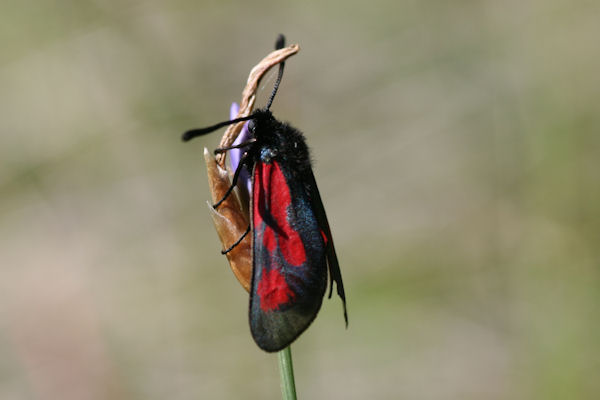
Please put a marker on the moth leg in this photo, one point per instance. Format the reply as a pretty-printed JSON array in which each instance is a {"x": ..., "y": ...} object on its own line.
[
  {"x": 237, "y": 146},
  {"x": 236, "y": 242},
  {"x": 236, "y": 175}
]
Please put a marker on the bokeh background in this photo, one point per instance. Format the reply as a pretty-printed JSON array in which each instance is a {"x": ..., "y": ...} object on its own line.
[{"x": 456, "y": 146}]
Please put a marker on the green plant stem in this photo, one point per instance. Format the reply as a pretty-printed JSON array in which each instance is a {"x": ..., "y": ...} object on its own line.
[{"x": 286, "y": 374}]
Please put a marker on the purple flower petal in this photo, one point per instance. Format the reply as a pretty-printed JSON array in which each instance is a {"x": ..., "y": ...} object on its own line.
[{"x": 235, "y": 155}]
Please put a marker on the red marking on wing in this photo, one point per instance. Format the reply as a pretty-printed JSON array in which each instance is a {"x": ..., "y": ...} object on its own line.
[
  {"x": 273, "y": 290},
  {"x": 324, "y": 237},
  {"x": 272, "y": 194}
]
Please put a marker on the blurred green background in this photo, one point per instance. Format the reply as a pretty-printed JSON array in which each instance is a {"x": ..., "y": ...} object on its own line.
[{"x": 456, "y": 146}]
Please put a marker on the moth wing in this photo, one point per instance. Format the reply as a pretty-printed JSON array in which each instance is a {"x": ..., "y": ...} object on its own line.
[
  {"x": 335, "y": 274},
  {"x": 289, "y": 258}
]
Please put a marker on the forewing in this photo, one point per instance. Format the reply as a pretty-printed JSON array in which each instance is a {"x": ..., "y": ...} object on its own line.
[{"x": 289, "y": 251}]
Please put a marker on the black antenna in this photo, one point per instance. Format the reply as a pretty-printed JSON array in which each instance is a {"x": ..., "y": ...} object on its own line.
[
  {"x": 189, "y": 135},
  {"x": 279, "y": 44}
]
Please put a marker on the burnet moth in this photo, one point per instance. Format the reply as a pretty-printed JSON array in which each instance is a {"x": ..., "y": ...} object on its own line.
[{"x": 292, "y": 247}]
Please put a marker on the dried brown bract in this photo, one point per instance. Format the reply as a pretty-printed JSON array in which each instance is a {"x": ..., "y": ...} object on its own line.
[{"x": 231, "y": 218}]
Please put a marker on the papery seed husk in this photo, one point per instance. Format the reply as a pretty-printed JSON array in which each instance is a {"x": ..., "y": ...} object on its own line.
[{"x": 230, "y": 221}]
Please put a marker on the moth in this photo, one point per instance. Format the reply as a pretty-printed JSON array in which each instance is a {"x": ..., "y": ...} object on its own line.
[{"x": 292, "y": 246}]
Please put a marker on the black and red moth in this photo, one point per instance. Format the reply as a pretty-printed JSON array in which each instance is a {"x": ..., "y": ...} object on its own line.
[{"x": 292, "y": 247}]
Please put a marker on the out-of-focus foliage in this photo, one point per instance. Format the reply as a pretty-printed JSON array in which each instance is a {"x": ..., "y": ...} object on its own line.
[{"x": 457, "y": 150}]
